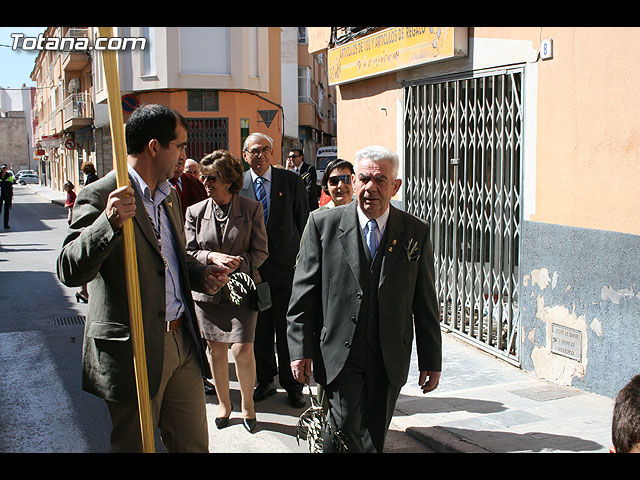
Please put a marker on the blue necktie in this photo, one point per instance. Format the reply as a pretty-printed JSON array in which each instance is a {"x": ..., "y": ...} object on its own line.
[
  {"x": 261, "y": 194},
  {"x": 372, "y": 237}
]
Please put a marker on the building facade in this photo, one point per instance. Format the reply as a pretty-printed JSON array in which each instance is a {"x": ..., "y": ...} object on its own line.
[
  {"x": 226, "y": 81},
  {"x": 63, "y": 109},
  {"x": 519, "y": 146},
  {"x": 16, "y": 130}
]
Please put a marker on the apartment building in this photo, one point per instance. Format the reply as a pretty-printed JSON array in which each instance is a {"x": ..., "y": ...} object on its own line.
[
  {"x": 63, "y": 109},
  {"x": 226, "y": 81},
  {"x": 520, "y": 147}
]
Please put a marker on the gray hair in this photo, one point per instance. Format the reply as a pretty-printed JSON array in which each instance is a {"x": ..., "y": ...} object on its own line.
[
  {"x": 376, "y": 153},
  {"x": 256, "y": 136}
]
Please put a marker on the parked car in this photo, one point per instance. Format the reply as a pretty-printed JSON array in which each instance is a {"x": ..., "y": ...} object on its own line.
[
  {"x": 28, "y": 178},
  {"x": 22, "y": 172}
]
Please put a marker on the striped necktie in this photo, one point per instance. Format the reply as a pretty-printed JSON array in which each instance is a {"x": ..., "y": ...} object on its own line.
[
  {"x": 261, "y": 194},
  {"x": 371, "y": 237}
]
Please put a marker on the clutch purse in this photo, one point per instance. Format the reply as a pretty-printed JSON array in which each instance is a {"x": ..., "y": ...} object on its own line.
[{"x": 263, "y": 296}]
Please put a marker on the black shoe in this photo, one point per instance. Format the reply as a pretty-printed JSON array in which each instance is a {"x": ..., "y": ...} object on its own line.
[
  {"x": 249, "y": 424},
  {"x": 222, "y": 422},
  {"x": 264, "y": 390},
  {"x": 81, "y": 298},
  {"x": 7, "y": 227},
  {"x": 296, "y": 399}
]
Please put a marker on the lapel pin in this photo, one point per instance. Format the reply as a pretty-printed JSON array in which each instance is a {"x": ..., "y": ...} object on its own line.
[
  {"x": 280, "y": 193},
  {"x": 170, "y": 204}
]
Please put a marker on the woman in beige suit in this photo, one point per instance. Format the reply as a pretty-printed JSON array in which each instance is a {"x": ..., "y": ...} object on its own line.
[{"x": 228, "y": 230}]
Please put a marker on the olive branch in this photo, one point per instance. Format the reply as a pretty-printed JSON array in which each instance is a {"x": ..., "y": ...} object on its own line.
[
  {"x": 412, "y": 249},
  {"x": 311, "y": 424},
  {"x": 240, "y": 284}
]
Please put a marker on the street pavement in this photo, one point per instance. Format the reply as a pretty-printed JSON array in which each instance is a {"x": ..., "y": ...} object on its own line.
[{"x": 483, "y": 404}]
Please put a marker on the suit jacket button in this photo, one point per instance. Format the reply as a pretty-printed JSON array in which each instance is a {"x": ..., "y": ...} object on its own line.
[
  {"x": 354, "y": 319},
  {"x": 347, "y": 344},
  {"x": 359, "y": 294}
]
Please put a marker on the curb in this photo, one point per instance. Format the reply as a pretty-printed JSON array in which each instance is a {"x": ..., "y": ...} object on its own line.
[{"x": 443, "y": 441}]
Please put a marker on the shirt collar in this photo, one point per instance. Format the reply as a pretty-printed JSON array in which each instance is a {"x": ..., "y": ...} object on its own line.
[
  {"x": 266, "y": 176},
  {"x": 381, "y": 220},
  {"x": 163, "y": 189}
]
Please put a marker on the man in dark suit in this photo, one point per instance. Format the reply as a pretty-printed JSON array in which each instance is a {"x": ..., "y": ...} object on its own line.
[
  {"x": 296, "y": 163},
  {"x": 353, "y": 309},
  {"x": 286, "y": 210},
  {"x": 93, "y": 253}
]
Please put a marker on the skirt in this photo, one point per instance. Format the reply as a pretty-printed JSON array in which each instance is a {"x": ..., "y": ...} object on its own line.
[{"x": 224, "y": 322}]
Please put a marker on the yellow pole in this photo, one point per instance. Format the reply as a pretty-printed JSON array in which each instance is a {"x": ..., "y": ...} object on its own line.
[{"x": 130, "y": 259}]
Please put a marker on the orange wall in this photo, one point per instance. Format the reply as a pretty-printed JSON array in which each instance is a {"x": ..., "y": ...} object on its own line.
[
  {"x": 362, "y": 120},
  {"x": 233, "y": 106},
  {"x": 588, "y": 141}
]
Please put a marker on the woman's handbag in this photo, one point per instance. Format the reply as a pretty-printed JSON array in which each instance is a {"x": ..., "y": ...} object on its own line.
[{"x": 263, "y": 296}]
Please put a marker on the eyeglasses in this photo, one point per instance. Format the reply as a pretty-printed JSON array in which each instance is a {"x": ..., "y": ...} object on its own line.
[
  {"x": 293, "y": 156},
  {"x": 181, "y": 146},
  {"x": 335, "y": 179},
  {"x": 257, "y": 151},
  {"x": 208, "y": 178}
]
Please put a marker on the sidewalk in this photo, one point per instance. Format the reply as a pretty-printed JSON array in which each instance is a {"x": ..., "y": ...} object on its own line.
[
  {"x": 47, "y": 193},
  {"x": 485, "y": 405}
]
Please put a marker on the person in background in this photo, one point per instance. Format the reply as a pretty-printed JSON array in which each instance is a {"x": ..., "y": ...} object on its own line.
[
  {"x": 190, "y": 189},
  {"x": 228, "y": 230},
  {"x": 70, "y": 200},
  {"x": 90, "y": 176},
  {"x": 337, "y": 182},
  {"x": 89, "y": 171},
  {"x": 192, "y": 167},
  {"x": 625, "y": 425},
  {"x": 363, "y": 283},
  {"x": 6, "y": 192},
  {"x": 286, "y": 208},
  {"x": 307, "y": 173}
]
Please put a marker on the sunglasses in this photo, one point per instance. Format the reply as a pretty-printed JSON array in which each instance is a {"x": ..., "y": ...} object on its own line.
[
  {"x": 208, "y": 178},
  {"x": 335, "y": 179}
]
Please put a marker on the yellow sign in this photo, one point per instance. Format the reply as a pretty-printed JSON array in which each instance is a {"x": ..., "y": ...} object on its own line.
[{"x": 391, "y": 49}]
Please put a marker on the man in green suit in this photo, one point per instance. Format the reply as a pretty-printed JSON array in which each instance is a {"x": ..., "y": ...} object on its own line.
[
  {"x": 360, "y": 289},
  {"x": 93, "y": 253}
]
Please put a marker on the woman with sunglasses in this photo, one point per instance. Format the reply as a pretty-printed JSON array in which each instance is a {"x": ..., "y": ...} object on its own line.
[
  {"x": 336, "y": 182},
  {"x": 228, "y": 229}
]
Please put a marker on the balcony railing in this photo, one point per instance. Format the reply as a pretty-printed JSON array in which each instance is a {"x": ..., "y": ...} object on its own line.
[{"x": 77, "y": 106}]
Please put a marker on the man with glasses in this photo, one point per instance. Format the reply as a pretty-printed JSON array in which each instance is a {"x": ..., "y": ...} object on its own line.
[
  {"x": 286, "y": 209},
  {"x": 296, "y": 163},
  {"x": 93, "y": 253},
  {"x": 364, "y": 282}
]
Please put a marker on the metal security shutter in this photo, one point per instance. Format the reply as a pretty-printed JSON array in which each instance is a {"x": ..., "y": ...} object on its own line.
[
  {"x": 206, "y": 135},
  {"x": 463, "y": 150}
]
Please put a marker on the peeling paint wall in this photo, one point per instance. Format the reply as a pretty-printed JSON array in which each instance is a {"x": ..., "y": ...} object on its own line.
[{"x": 580, "y": 306}]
